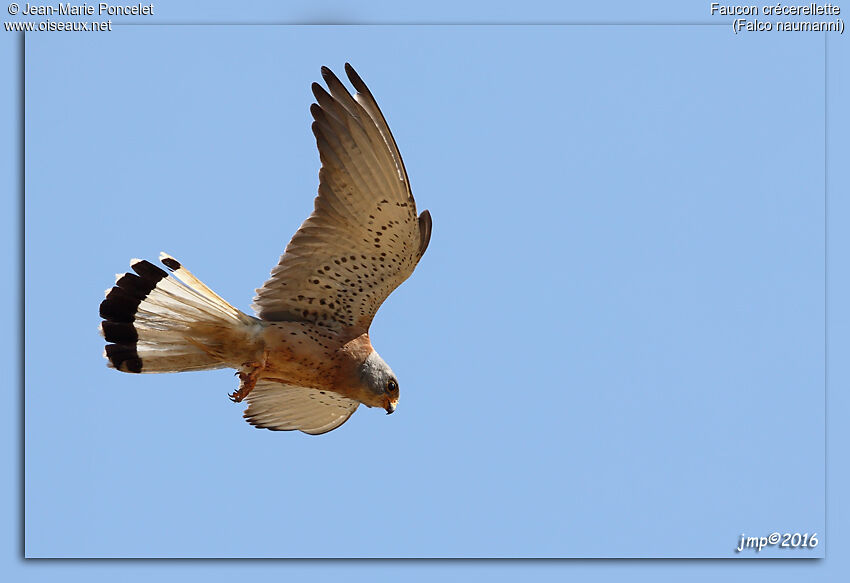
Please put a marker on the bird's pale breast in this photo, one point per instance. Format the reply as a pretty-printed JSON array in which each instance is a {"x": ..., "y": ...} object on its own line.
[{"x": 307, "y": 355}]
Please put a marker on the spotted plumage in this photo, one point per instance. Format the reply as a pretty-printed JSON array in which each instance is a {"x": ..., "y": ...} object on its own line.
[{"x": 306, "y": 361}]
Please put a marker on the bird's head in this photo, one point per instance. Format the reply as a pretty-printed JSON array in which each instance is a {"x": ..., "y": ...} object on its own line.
[{"x": 379, "y": 386}]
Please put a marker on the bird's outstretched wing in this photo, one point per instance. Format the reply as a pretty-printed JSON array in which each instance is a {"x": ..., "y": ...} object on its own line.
[
  {"x": 364, "y": 237},
  {"x": 282, "y": 407}
]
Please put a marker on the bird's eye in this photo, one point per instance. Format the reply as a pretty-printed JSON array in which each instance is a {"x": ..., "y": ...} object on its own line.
[{"x": 392, "y": 386}]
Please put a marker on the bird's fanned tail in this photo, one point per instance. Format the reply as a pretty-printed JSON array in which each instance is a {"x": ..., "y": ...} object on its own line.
[{"x": 157, "y": 323}]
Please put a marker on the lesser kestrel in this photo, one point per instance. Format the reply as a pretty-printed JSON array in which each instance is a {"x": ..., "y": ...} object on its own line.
[{"x": 305, "y": 362}]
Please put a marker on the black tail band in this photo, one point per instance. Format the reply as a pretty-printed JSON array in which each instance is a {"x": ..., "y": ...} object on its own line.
[{"x": 119, "y": 312}]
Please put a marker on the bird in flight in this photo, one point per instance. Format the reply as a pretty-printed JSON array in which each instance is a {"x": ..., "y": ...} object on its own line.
[{"x": 305, "y": 361}]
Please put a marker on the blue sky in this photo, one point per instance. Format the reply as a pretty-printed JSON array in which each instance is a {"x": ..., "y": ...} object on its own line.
[{"x": 614, "y": 346}]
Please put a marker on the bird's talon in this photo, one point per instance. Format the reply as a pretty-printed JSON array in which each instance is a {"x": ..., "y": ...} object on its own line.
[{"x": 247, "y": 381}]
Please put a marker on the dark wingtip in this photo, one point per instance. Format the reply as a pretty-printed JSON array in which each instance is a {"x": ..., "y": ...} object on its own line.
[
  {"x": 424, "y": 231},
  {"x": 355, "y": 79},
  {"x": 335, "y": 86}
]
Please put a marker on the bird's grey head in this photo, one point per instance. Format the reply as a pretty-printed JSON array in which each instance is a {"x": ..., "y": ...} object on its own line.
[{"x": 380, "y": 382}]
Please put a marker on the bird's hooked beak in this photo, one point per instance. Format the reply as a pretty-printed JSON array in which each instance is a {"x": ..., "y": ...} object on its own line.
[{"x": 390, "y": 408}]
